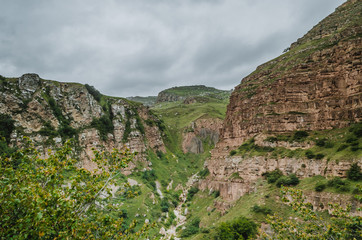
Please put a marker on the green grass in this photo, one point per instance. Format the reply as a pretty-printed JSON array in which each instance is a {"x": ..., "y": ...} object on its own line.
[
  {"x": 197, "y": 90},
  {"x": 178, "y": 116},
  {"x": 334, "y": 145},
  {"x": 265, "y": 196}
]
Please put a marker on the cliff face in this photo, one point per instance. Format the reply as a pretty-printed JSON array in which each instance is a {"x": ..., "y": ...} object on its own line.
[
  {"x": 203, "y": 130},
  {"x": 50, "y": 112},
  {"x": 314, "y": 86}
]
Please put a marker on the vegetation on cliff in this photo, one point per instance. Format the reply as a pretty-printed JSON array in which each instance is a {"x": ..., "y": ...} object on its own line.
[{"x": 53, "y": 198}]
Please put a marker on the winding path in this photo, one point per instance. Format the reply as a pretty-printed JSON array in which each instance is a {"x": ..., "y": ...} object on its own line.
[{"x": 180, "y": 215}]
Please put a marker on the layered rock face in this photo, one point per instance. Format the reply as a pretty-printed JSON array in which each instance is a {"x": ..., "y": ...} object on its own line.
[
  {"x": 235, "y": 176},
  {"x": 203, "y": 130},
  {"x": 314, "y": 86},
  {"x": 47, "y": 111}
]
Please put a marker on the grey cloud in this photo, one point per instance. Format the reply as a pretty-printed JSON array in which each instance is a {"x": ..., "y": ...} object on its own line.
[{"x": 140, "y": 47}]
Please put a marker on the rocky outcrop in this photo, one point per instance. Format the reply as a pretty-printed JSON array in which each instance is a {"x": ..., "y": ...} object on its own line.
[
  {"x": 49, "y": 112},
  {"x": 314, "y": 86},
  {"x": 168, "y": 97},
  {"x": 203, "y": 130},
  {"x": 236, "y": 175}
]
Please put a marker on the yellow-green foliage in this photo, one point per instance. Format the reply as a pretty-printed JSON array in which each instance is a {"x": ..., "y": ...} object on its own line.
[{"x": 38, "y": 199}]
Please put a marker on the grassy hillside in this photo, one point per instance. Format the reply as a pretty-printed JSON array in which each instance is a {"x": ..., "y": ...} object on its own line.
[
  {"x": 197, "y": 90},
  {"x": 147, "y": 101}
]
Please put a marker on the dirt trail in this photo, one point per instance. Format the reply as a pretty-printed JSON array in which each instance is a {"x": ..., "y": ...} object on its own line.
[{"x": 180, "y": 215}]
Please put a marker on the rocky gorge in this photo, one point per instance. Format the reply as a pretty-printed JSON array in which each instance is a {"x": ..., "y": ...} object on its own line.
[
  {"x": 315, "y": 86},
  {"x": 49, "y": 112}
]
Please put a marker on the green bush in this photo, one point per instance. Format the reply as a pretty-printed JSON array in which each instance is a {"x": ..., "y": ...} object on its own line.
[
  {"x": 233, "y": 152},
  {"x": 149, "y": 175},
  {"x": 164, "y": 205},
  {"x": 204, "y": 173},
  {"x": 338, "y": 184},
  {"x": 320, "y": 142},
  {"x": 241, "y": 228},
  {"x": 191, "y": 228},
  {"x": 48, "y": 130},
  {"x": 94, "y": 92},
  {"x": 290, "y": 180},
  {"x": 190, "y": 194},
  {"x": 6, "y": 126},
  {"x": 261, "y": 209},
  {"x": 342, "y": 147},
  {"x": 104, "y": 125},
  {"x": 354, "y": 173},
  {"x": 273, "y": 176},
  {"x": 309, "y": 154},
  {"x": 319, "y": 187},
  {"x": 67, "y": 131},
  {"x": 300, "y": 135},
  {"x": 357, "y": 130},
  {"x": 319, "y": 156}
]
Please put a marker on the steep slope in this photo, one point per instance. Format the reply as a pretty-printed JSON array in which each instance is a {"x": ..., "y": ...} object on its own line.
[
  {"x": 50, "y": 112},
  {"x": 184, "y": 92},
  {"x": 147, "y": 101},
  {"x": 193, "y": 114},
  {"x": 315, "y": 86}
]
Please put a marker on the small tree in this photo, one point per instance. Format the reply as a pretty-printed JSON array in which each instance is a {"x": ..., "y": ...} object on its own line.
[
  {"x": 311, "y": 225},
  {"x": 354, "y": 173},
  {"x": 38, "y": 200}
]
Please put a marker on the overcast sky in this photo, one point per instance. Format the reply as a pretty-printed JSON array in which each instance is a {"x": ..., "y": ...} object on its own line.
[{"x": 140, "y": 47}]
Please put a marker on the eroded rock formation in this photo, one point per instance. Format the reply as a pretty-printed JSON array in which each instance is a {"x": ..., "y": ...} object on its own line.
[
  {"x": 43, "y": 109},
  {"x": 314, "y": 86}
]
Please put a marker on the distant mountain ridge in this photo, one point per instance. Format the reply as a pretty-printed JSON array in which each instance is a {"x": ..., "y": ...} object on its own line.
[{"x": 183, "y": 92}]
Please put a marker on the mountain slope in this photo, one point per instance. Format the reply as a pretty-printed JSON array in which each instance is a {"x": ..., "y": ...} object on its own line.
[{"x": 313, "y": 88}]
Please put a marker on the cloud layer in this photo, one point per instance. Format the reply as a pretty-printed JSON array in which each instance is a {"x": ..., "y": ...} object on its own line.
[{"x": 140, "y": 47}]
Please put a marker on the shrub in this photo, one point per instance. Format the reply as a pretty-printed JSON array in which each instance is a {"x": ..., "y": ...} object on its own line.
[
  {"x": 319, "y": 156},
  {"x": 191, "y": 228},
  {"x": 354, "y": 173},
  {"x": 215, "y": 194},
  {"x": 232, "y": 152},
  {"x": 140, "y": 126},
  {"x": 241, "y": 228},
  {"x": 164, "y": 205},
  {"x": 355, "y": 148},
  {"x": 261, "y": 209},
  {"x": 273, "y": 176},
  {"x": 357, "y": 130},
  {"x": 48, "y": 130},
  {"x": 351, "y": 139},
  {"x": 336, "y": 181},
  {"x": 6, "y": 126},
  {"x": 290, "y": 180},
  {"x": 320, "y": 142},
  {"x": 204, "y": 172},
  {"x": 94, "y": 92},
  {"x": 309, "y": 154},
  {"x": 342, "y": 147},
  {"x": 324, "y": 143},
  {"x": 300, "y": 135},
  {"x": 319, "y": 187},
  {"x": 338, "y": 184},
  {"x": 190, "y": 194},
  {"x": 104, "y": 125},
  {"x": 149, "y": 175}
]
